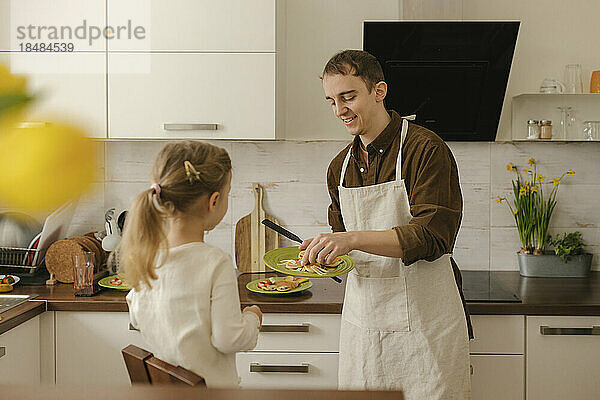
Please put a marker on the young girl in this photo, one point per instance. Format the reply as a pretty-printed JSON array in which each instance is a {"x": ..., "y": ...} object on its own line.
[{"x": 185, "y": 297}]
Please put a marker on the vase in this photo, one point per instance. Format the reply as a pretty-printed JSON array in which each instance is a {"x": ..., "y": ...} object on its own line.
[{"x": 551, "y": 266}]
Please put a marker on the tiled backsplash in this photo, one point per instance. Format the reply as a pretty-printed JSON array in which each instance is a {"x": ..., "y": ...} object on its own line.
[{"x": 293, "y": 177}]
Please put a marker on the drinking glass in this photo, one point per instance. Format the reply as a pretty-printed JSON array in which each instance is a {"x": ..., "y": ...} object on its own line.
[
  {"x": 83, "y": 270},
  {"x": 567, "y": 121},
  {"x": 591, "y": 130},
  {"x": 573, "y": 81}
]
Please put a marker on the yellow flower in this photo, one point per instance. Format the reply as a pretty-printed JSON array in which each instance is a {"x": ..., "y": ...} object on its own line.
[
  {"x": 10, "y": 83},
  {"x": 541, "y": 178},
  {"x": 526, "y": 184},
  {"x": 13, "y": 97},
  {"x": 526, "y": 170},
  {"x": 570, "y": 172},
  {"x": 555, "y": 181},
  {"x": 531, "y": 161},
  {"x": 516, "y": 212},
  {"x": 534, "y": 188},
  {"x": 523, "y": 191},
  {"x": 509, "y": 167},
  {"x": 499, "y": 199}
]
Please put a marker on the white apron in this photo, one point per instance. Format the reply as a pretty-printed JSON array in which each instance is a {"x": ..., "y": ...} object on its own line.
[{"x": 403, "y": 328}]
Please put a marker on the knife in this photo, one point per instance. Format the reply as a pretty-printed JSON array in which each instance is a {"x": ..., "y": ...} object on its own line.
[{"x": 282, "y": 231}]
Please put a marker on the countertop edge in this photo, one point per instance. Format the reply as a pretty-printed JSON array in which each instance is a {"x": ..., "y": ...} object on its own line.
[{"x": 22, "y": 313}]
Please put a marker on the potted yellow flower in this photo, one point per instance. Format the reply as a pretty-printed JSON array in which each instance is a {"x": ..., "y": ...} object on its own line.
[{"x": 532, "y": 212}]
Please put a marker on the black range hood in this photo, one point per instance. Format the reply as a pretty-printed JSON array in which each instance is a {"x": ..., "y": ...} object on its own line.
[{"x": 452, "y": 75}]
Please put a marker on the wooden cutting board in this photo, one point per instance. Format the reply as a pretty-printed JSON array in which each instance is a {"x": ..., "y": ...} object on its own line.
[{"x": 252, "y": 239}]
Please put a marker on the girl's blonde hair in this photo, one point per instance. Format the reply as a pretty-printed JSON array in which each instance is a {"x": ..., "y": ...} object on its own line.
[{"x": 181, "y": 184}]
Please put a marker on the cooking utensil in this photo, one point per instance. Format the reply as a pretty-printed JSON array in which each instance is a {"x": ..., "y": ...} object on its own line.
[
  {"x": 289, "y": 235},
  {"x": 251, "y": 238}
]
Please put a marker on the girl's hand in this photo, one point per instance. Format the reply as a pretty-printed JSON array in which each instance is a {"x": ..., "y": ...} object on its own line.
[
  {"x": 254, "y": 309},
  {"x": 325, "y": 247}
]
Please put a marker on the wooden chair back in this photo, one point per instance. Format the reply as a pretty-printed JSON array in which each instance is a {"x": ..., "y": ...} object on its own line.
[{"x": 144, "y": 368}]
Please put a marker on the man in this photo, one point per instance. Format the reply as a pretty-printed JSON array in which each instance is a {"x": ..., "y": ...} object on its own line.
[{"x": 396, "y": 204}]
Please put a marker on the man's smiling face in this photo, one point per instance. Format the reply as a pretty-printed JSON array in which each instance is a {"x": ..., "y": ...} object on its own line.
[{"x": 351, "y": 102}]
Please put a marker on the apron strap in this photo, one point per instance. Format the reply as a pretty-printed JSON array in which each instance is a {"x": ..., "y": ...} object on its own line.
[
  {"x": 402, "y": 137},
  {"x": 345, "y": 166}
]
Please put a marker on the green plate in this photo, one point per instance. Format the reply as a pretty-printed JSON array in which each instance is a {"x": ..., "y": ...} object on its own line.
[
  {"x": 273, "y": 257},
  {"x": 253, "y": 286},
  {"x": 105, "y": 282}
]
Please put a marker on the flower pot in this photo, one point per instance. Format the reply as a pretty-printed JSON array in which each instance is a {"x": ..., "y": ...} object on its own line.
[{"x": 551, "y": 266}]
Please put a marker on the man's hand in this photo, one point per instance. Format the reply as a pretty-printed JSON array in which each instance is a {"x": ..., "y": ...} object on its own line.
[{"x": 325, "y": 247}]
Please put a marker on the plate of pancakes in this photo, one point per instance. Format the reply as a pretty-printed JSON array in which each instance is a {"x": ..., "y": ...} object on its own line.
[
  {"x": 279, "y": 285},
  {"x": 287, "y": 261}
]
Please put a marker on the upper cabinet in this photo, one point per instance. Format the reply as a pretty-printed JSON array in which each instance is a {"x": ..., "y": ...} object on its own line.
[
  {"x": 77, "y": 23},
  {"x": 67, "y": 87},
  {"x": 193, "y": 25},
  {"x": 192, "y": 95},
  {"x": 227, "y": 69}
]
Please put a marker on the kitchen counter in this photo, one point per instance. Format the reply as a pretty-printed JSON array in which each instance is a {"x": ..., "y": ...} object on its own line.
[{"x": 540, "y": 296}]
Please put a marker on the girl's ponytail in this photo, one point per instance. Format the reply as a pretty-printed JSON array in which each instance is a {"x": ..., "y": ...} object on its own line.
[{"x": 143, "y": 237}]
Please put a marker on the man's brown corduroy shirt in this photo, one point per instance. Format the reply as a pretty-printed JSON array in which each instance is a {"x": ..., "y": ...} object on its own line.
[{"x": 431, "y": 178}]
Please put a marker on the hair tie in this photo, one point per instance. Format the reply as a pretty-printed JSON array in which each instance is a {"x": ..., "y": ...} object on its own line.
[
  {"x": 189, "y": 170},
  {"x": 156, "y": 188}
]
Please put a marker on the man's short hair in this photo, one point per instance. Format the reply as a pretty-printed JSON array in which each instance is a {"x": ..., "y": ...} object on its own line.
[{"x": 358, "y": 63}]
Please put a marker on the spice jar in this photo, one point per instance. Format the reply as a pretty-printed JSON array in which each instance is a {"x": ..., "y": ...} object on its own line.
[
  {"x": 533, "y": 129},
  {"x": 545, "y": 129}
]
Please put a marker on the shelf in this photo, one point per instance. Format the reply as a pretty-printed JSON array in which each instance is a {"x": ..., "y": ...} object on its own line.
[
  {"x": 540, "y": 106},
  {"x": 555, "y": 95}
]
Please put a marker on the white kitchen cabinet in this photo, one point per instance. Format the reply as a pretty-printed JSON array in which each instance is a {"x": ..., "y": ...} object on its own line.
[
  {"x": 195, "y": 25},
  {"x": 498, "y": 334},
  {"x": 299, "y": 333},
  {"x": 16, "y": 17},
  {"x": 495, "y": 377},
  {"x": 192, "y": 95},
  {"x": 293, "y": 351},
  {"x": 288, "y": 370},
  {"x": 563, "y": 358},
  {"x": 497, "y": 357},
  {"x": 68, "y": 87},
  {"x": 88, "y": 347},
  {"x": 20, "y": 354}
]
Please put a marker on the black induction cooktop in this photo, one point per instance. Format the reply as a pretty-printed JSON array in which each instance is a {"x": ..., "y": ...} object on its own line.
[{"x": 482, "y": 287}]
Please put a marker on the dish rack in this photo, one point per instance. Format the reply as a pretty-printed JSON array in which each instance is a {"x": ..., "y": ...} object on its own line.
[{"x": 19, "y": 259}]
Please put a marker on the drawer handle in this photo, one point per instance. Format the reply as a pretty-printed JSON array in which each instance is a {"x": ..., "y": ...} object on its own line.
[
  {"x": 190, "y": 127},
  {"x": 549, "y": 331},
  {"x": 302, "y": 368},
  {"x": 471, "y": 369},
  {"x": 133, "y": 328},
  {"x": 2, "y": 351},
  {"x": 285, "y": 328}
]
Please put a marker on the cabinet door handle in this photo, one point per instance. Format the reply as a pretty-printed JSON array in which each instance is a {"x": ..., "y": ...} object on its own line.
[
  {"x": 285, "y": 328},
  {"x": 133, "y": 328},
  {"x": 549, "y": 331},
  {"x": 302, "y": 368},
  {"x": 2, "y": 351},
  {"x": 471, "y": 369},
  {"x": 190, "y": 127}
]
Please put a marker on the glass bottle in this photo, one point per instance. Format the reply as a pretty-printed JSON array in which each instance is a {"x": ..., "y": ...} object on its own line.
[
  {"x": 545, "y": 129},
  {"x": 533, "y": 129}
]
